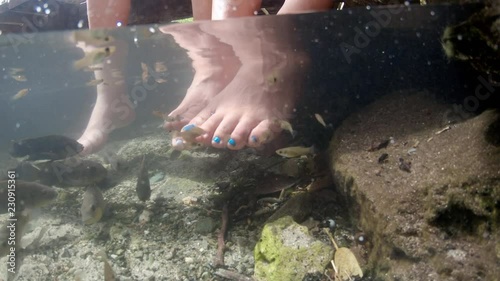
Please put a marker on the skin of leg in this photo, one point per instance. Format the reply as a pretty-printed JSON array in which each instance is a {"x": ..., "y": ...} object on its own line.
[
  {"x": 202, "y": 9},
  {"x": 112, "y": 108},
  {"x": 106, "y": 13},
  {"x": 223, "y": 9},
  {"x": 302, "y": 6}
]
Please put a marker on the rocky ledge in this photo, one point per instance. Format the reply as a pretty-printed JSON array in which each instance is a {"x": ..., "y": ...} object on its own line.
[{"x": 424, "y": 188}]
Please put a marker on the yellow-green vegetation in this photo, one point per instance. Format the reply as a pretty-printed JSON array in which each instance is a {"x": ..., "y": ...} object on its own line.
[
  {"x": 183, "y": 20},
  {"x": 286, "y": 251}
]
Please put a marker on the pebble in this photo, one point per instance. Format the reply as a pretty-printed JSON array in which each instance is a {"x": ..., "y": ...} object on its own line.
[
  {"x": 204, "y": 225},
  {"x": 188, "y": 260}
]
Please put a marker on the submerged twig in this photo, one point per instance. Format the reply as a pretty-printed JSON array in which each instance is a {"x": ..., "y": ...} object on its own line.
[
  {"x": 219, "y": 258},
  {"x": 231, "y": 275},
  {"x": 331, "y": 238}
]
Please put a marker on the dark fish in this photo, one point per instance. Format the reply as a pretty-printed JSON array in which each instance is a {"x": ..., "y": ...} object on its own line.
[
  {"x": 380, "y": 145},
  {"x": 26, "y": 195},
  {"x": 143, "y": 188},
  {"x": 51, "y": 147},
  {"x": 404, "y": 165},
  {"x": 383, "y": 158},
  {"x": 274, "y": 183},
  {"x": 68, "y": 172}
]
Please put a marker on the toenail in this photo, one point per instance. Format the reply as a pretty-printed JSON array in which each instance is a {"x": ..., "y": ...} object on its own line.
[
  {"x": 188, "y": 127},
  {"x": 254, "y": 138},
  {"x": 231, "y": 142},
  {"x": 216, "y": 139}
]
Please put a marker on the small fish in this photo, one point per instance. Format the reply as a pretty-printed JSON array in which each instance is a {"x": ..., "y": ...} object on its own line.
[
  {"x": 190, "y": 132},
  {"x": 295, "y": 151},
  {"x": 96, "y": 38},
  {"x": 91, "y": 68},
  {"x": 94, "y": 57},
  {"x": 404, "y": 165},
  {"x": 320, "y": 119},
  {"x": 383, "y": 158},
  {"x": 20, "y": 94},
  {"x": 27, "y": 194},
  {"x": 143, "y": 187},
  {"x": 285, "y": 125},
  {"x": 160, "y": 66},
  {"x": 94, "y": 82},
  {"x": 380, "y": 145},
  {"x": 19, "y": 78},
  {"x": 52, "y": 147},
  {"x": 145, "y": 72},
  {"x": 160, "y": 80},
  {"x": 6, "y": 245},
  {"x": 92, "y": 205},
  {"x": 14, "y": 70}
]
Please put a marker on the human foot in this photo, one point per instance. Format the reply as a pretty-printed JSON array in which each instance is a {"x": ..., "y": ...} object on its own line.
[
  {"x": 112, "y": 110},
  {"x": 214, "y": 64},
  {"x": 250, "y": 110}
]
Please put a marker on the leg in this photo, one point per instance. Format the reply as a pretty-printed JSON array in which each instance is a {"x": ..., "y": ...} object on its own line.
[
  {"x": 202, "y": 9},
  {"x": 112, "y": 108},
  {"x": 301, "y": 6},
  {"x": 223, "y": 9}
]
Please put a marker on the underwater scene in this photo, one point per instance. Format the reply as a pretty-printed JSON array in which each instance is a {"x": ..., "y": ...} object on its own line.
[{"x": 249, "y": 140}]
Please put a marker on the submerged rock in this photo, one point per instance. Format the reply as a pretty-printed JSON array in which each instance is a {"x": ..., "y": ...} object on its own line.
[
  {"x": 438, "y": 222},
  {"x": 286, "y": 251}
]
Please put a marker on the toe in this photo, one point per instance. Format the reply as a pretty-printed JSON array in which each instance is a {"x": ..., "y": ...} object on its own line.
[
  {"x": 241, "y": 133},
  {"x": 261, "y": 134},
  {"x": 222, "y": 135},
  {"x": 210, "y": 125}
]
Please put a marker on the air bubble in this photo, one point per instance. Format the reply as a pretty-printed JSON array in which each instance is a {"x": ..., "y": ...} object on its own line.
[
  {"x": 368, "y": 7},
  {"x": 152, "y": 30},
  {"x": 118, "y": 23},
  {"x": 459, "y": 37},
  {"x": 47, "y": 11},
  {"x": 433, "y": 13},
  {"x": 18, "y": 125},
  {"x": 38, "y": 9},
  {"x": 80, "y": 24}
]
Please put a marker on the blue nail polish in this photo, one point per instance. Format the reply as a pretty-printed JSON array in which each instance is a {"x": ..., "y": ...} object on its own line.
[
  {"x": 254, "y": 138},
  {"x": 216, "y": 139},
  {"x": 188, "y": 127},
  {"x": 231, "y": 142}
]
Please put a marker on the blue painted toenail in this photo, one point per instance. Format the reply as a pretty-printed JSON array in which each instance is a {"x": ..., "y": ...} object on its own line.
[
  {"x": 188, "y": 127},
  {"x": 254, "y": 138},
  {"x": 231, "y": 142},
  {"x": 216, "y": 139}
]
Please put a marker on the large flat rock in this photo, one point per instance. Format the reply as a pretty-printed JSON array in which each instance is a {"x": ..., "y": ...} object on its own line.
[{"x": 440, "y": 220}]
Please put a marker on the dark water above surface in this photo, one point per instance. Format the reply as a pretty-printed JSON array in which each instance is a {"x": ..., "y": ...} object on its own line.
[{"x": 353, "y": 59}]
